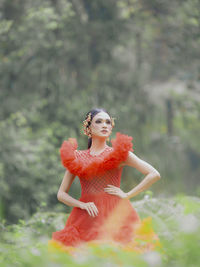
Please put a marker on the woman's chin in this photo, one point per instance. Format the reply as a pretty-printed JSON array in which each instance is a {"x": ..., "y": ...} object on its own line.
[{"x": 102, "y": 135}]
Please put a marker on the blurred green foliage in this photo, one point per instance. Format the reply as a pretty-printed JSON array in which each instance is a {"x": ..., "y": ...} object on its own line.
[
  {"x": 25, "y": 243},
  {"x": 137, "y": 59}
]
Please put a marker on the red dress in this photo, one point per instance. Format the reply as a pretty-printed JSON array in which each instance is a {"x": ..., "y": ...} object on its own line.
[{"x": 116, "y": 219}]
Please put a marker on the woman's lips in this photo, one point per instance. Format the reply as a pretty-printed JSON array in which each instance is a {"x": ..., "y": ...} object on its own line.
[{"x": 104, "y": 131}]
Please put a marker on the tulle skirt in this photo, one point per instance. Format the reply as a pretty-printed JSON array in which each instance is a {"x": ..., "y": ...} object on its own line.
[{"x": 117, "y": 223}]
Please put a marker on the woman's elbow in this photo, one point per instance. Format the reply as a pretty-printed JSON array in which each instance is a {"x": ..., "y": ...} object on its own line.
[
  {"x": 59, "y": 196},
  {"x": 157, "y": 175}
]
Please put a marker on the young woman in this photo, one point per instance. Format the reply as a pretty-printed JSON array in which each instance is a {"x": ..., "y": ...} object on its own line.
[{"x": 103, "y": 212}]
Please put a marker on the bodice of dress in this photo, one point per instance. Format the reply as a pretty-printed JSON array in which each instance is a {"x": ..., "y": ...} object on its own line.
[
  {"x": 97, "y": 183},
  {"x": 96, "y": 172}
]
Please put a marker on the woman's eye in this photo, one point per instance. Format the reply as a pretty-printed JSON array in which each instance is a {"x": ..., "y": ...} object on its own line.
[
  {"x": 98, "y": 121},
  {"x": 108, "y": 122}
]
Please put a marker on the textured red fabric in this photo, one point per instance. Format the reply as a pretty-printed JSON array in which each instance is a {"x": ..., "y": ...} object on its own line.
[
  {"x": 116, "y": 217},
  {"x": 96, "y": 165}
]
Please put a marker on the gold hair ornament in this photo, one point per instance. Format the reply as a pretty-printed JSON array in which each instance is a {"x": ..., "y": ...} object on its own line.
[
  {"x": 86, "y": 123},
  {"x": 112, "y": 121}
]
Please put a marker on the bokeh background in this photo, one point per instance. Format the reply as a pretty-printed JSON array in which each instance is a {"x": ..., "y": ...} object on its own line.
[{"x": 139, "y": 59}]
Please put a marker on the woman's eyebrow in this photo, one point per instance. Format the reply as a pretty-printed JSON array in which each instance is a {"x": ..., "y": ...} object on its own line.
[{"x": 103, "y": 119}]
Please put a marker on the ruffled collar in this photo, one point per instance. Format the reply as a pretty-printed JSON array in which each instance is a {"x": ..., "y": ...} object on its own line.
[{"x": 108, "y": 159}]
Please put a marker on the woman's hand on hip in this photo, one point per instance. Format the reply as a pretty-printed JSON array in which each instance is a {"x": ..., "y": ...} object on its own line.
[{"x": 114, "y": 190}]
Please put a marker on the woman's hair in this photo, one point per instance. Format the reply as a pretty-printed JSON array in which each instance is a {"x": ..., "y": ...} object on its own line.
[{"x": 94, "y": 112}]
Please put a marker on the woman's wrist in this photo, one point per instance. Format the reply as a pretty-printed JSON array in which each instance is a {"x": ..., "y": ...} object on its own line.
[
  {"x": 80, "y": 204},
  {"x": 130, "y": 194},
  {"x": 127, "y": 195}
]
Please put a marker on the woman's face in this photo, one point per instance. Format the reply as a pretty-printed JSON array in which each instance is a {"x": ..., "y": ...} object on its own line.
[{"x": 101, "y": 125}]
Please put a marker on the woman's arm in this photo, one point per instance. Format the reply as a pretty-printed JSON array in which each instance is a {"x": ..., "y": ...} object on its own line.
[
  {"x": 62, "y": 194},
  {"x": 65, "y": 198},
  {"x": 152, "y": 175}
]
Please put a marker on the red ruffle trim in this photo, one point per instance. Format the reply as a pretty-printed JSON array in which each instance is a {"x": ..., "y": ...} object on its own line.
[
  {"x": 121, "y": 145},
  {"x": 69, "y": 236}
]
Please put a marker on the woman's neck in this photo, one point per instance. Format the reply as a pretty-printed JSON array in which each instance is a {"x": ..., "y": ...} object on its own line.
[{"x": 98, "y": 145}]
